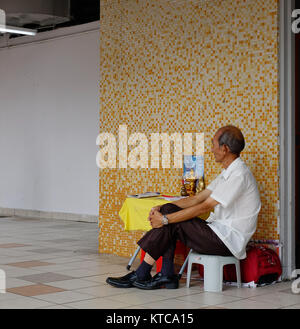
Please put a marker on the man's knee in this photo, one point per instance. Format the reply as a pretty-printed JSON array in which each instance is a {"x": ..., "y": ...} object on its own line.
[{"x": 168, "y": 208}]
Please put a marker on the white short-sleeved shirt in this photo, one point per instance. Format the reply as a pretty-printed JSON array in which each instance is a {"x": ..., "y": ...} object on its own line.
[{"x": 235, "y": 217}]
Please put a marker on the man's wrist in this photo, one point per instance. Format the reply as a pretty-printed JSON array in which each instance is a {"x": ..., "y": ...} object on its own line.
[{"x": 165, "y": 220}]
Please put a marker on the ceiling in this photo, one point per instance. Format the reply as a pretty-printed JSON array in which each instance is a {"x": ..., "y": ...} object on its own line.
[{"x": 46, "y": 15}]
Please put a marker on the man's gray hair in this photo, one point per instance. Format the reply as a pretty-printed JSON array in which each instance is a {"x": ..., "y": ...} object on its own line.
[{"x": 233, "y": 138}]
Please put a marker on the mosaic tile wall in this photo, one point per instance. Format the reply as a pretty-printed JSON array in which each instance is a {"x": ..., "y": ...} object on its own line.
[{"x": 188, "y": 66}]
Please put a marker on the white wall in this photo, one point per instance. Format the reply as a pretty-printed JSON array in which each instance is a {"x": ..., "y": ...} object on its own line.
[{"x": 49, "y": 107}]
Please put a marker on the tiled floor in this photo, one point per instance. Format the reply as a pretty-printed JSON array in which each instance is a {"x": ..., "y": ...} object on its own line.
[{"x": 55, "y": 264}]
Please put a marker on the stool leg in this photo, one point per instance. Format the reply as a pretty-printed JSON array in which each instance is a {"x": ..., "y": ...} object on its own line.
[
  {"x": 238, "y": 274},
  {"x": 134, "y": 257},
  {"x": 212, "y": 278},
  {"x": 189, "y": 272},
  {"x": 184, "y": 265},
  {"x": 221, "y": 277}
]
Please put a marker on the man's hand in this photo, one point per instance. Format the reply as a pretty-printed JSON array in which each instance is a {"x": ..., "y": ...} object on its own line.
[
  {"x": 156, "y": 208},
  {"x": 155, "y": 219}
]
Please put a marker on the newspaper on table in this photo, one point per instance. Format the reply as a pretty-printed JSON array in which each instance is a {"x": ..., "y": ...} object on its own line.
[{"x": 143, "y": 195}]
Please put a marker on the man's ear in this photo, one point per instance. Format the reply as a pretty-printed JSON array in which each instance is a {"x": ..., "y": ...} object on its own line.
[{"x": 226, "y": 148}]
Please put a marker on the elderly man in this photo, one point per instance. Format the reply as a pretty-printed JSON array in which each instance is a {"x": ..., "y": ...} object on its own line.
[{"x": 233, "y": 196}]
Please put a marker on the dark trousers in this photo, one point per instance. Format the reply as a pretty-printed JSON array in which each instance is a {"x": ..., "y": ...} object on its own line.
[{"x": 194, "y": 233}]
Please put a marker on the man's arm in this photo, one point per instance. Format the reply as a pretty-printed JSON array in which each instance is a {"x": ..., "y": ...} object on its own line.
[
  {"x": 184, "y": 214},
  {"x": 193, "y": 200},
  {"x": 187, "y": 202},
  {"x": 191, "y": 212}
]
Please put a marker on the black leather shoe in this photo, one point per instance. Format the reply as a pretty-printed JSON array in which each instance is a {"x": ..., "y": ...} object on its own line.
[
  {"x": 158, "y": 281},
  {"x": 125, "y": 281}
]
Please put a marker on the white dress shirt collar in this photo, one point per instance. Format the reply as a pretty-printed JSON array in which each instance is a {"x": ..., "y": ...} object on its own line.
[{"x": 235, "y": 163}]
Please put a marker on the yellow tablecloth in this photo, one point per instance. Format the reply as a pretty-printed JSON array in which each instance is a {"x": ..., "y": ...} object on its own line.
[{"x": 134, "y": 212}]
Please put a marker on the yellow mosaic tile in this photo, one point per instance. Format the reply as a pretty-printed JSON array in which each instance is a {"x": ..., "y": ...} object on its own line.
[{"x": 188, "y": 66}]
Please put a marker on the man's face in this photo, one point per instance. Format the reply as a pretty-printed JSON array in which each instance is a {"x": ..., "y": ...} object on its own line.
[{"x": 218, "y": 151}]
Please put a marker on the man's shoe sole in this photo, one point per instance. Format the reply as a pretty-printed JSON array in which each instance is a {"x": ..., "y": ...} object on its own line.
[
  {"x": 118, "y": 285},
  {"x": 171, "y": 285}
]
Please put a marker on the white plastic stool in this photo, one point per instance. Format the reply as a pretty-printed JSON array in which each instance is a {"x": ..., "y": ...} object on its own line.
[{"x": 213, "y": 270}]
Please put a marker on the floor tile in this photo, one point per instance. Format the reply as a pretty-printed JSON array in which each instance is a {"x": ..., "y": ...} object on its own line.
[
  {"x": 174, "y": 304},
  {"x": 18, "y": 272},
  {"x": 209, "y": 298},
  {"x": 180, "y": 292},
  {"x": 47, "y": 250},
  {"x": 101, "y": 278},
  {"x": 64, "y": 297},
  {"x": 25, "y": 219},
  {"x": 12, "y": 245},
  {"x": 7, "y": 296},
  {"x": 63, "y": 260},
  {"x": 62, "y": 240},
  {"x": 5, "y": 267},
  {"x": 111, "y": 270},
  {"x": 243, "y": 292},
  {"x": 79, "y": 273},
  {"x": 13, "y": 282},
  {"x": 56, "y": 268},
  {"x": 85, "y": 264},
  {"x": 99, "y": 303},
  {"x": 297, "y": 306},
  {"x": 214, "y": 307},
  {"x": 278, "y": 298},
  {"x": 74, "y": 284},
  {"x": 45, "y": 277},
  {"x": 105, "y": 291},
  {"x": 62, "y": 226},
  {"x": 58, "y": 307},
  {"x": 86, "y": 251},
  {"x": 34, "y": 290},
  {"x": 23, "y": 303},
  {"x": 276, "y": 287},
  {"x": 30, "y": 263},
  {"x": 248, "y": 304},
  {"x": 135, "y": 307},
  {"x": 139, "y": 297},
  {"x": 286, "y": 291}
]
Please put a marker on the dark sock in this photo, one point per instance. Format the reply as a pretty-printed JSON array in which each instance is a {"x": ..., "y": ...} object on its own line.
[
  {"x": 143, "y": 271},
  {"x": 167, "y": 267}
]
